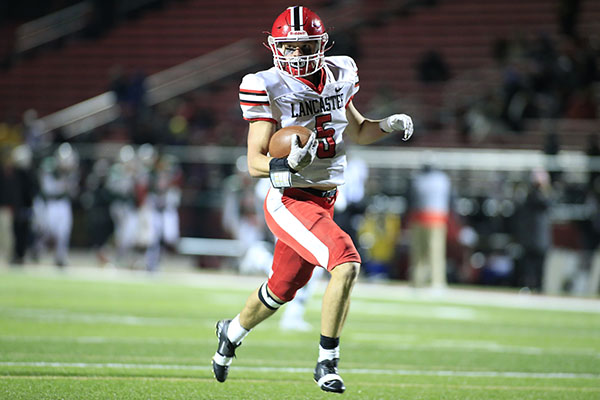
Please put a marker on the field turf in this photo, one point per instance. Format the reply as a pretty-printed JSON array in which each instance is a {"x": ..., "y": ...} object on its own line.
[{"x": 97, "y": 334}]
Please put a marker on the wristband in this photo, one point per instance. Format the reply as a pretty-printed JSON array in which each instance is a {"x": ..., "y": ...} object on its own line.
[
  {"x": 384, "y": 125},
  {"x": 280, "y": 173}
]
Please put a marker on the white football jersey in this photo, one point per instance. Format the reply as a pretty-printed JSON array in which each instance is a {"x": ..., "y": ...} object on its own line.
[{"x": 272, "y": 95}]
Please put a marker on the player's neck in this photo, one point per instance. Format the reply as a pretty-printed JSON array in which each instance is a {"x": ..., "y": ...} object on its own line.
[{"x": 316, "y": 80}]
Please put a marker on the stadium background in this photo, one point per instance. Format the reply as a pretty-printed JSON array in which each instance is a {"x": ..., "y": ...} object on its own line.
[{"x": 496, "y": 91}]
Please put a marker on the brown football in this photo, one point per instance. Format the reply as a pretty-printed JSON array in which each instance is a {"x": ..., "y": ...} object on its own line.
[{"x": 281, "y": 141}]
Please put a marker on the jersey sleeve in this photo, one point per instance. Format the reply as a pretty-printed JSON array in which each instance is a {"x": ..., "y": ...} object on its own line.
[
  {"x": 354, "y": 74},
  {"x": 347, "y": 71},
  {"x": 254, "y": 99}
]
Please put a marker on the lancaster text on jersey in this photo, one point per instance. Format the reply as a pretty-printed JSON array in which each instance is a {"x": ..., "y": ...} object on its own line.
[{"x": 310, "y": 107}]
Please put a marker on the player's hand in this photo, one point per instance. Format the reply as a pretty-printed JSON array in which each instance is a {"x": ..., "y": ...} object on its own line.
[
  {"x": 398, "y": 122},
  {"x": 301, "y": 157}
]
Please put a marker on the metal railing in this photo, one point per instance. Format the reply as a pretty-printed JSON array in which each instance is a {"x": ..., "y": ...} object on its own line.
[
  {"x": 394, "y": 157},
  {"x": 52, "y": 27},
  {"x": 103, "y": 109},
  {"x": 65, "y": 22}
]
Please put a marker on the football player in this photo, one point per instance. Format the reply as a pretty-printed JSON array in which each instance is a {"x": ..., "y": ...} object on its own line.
[
  {"x": 59, "y": 180},
  {"x": 304, "y": 88}
]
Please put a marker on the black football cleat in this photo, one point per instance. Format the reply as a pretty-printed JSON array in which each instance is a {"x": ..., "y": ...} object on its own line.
[
  {"x": 326, "y": 376},
  {"x": 225, "y": 352}
]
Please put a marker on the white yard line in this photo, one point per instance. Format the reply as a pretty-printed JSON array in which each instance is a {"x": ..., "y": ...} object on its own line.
[
  {"x": 105, "y": 339},
  {"x": 472, "y": 346},
  {"x": 359, "y": 371},
  {"x": 393, "y": 290},
  {"x": 409, "y": 344},
  {"x": 61, "y": 315}
]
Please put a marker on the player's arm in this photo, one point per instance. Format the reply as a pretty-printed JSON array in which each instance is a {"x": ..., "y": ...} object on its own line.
[
  {"x": 279, "y": 170},
  {"x": 259, "y": 134},
  {"x": 362, "y": 130}
]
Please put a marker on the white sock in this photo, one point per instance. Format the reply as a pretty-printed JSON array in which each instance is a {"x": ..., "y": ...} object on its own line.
[
  {"x": 236, "y": 332},
  {"x": 328, "y": 354}
]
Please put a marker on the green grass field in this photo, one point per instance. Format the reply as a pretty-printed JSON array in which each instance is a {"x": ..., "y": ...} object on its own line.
[{"x": 105, "y": 335}]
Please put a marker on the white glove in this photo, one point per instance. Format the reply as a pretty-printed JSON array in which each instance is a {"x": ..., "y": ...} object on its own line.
[
  {"x": 301, "y": 157},
  {"x": 398, "y": 122}
]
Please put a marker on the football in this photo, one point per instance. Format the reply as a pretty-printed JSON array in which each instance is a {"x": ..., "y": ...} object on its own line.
[{"x": 281, "y": 141}]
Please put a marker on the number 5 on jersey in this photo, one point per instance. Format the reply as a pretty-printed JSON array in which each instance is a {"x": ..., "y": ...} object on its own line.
[{"x": 326, "y": 147}]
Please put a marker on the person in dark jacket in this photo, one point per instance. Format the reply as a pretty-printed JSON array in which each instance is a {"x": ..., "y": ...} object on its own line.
[
  {"x": 22, "y": 182},
  {"x": 537, "y": 231}
]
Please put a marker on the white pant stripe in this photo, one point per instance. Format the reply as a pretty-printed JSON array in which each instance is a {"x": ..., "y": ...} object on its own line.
[{"x": 292, "y": 225}]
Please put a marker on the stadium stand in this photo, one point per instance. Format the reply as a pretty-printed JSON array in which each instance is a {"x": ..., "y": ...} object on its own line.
[
  {"x": 464, "y": 32},
  {"x": 153, "y": 41},
  {"x": 391, "y": 41}
]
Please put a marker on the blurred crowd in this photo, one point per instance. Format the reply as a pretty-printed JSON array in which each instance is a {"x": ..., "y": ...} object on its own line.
[
  {"x": 128, "y": 205},
  {"x": 540, "y": 77}
]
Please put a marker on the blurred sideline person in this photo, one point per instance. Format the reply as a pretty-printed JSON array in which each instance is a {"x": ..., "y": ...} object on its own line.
[
  {"x": 303, "y": 88},
  {"x": 121, "y": 186},
  {"x": 587, "y": 277},
  {"x": 23, "y": 188},
  {"x": 146, "y": 232},
  {"x": 243, "y": 220},
  {"x": 536, "y": 235},
  {"x": 292, "y": 318},
  {"x": 59, "y": 182},
  {"x": 164, "y": 200},
  {"x": 350, "y": 204},
  {"x": 145, "y": 193},
  {"x": 429, "y": 204},
  {"x": 6, "y": 237},
  {"x": 96, "y": 200},
  {"x": 379, "y": 233}
]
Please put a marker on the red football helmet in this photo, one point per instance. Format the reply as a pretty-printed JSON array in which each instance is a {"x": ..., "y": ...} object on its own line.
[{"x": 298, "y": 24}]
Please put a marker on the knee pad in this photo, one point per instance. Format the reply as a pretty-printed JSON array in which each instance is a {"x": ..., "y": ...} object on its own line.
[{"x": 265, "y": 297}]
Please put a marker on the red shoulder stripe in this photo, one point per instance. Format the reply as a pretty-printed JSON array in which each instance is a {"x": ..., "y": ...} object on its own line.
[
  {"x": 249, "y": 91},
  {"x": 261, "y": 119},
  {"x": 254, "y": 103}
]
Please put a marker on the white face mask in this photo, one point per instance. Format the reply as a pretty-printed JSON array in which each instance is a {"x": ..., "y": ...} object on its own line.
[
  {"x": 298, "y": 58},
  {"x": 298, "y": 54}
]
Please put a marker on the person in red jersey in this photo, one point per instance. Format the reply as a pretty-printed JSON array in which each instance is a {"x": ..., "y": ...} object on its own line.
[{"x": 308, "y": 89}]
